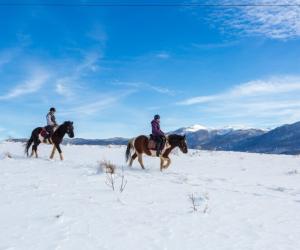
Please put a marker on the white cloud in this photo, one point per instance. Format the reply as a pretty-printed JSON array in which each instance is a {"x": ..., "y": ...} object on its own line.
[
  {"x": 163, "y": 55},
  {"x": 93, "y": 107},
  {"x": 100, "y": 103},
  {"x": 98, "y": 34},
  {"x": 207, "y": 46},
  {"x": 272, "y": 86},
  {"x": 37, "y": 79},
  {"x": 276, "y": 22},
  {"x": 62, "y": 89},
  {"x": 67, "y": 84},
  {"x": 146, "y": 86},
  {"x": 7, "y": 56},
  {"x": 272, "y": 101},
  {"x": 89, "y": 63}
]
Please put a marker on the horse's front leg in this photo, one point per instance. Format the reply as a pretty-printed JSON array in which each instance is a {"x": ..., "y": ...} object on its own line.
[
  {"x": 60, "y": 152},
  {"x": 32, "y": 153},
  {"x": 162, "y": 161},
  {"x": 56, "y": 146},
  {"x": 168, "y": 163},
  {"x": 53, "y": 152}
]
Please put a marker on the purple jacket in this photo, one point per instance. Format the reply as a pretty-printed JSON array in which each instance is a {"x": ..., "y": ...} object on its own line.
[{"x": 156, "y": 129}]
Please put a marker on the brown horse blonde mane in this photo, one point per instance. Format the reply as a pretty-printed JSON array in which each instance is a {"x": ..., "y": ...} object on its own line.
[{"x": 140, "y": 145}]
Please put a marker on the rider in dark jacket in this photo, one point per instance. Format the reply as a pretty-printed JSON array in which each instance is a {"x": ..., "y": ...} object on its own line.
[
  {"x": 51, "y": 123},
  {"x": 157, "y": 134}
]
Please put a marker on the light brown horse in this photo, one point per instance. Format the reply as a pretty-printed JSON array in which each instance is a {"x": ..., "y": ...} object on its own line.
[{"x": 140, "y": 146}]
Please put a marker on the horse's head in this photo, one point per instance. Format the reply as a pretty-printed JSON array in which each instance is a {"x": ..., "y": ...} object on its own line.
[
  {"x": 69, "y": 129},
  {"x": 178, "y": 141}
]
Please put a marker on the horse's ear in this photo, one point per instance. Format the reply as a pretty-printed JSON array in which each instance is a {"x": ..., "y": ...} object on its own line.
[
  {"x": 72, "y": 123},
  {"x": 184, "y": 136}
]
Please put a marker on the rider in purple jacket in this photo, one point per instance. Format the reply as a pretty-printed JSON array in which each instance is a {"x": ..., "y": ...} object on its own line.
[{"x": 157, "y": 134}]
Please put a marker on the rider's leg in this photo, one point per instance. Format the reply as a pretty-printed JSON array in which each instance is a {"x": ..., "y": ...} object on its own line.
[
  {"x": 50, "y": 135},
  {"x": 158, "y": 145}
]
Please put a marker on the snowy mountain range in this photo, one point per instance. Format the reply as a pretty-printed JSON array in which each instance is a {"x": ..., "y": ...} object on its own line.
[
  {"x": 282, "y": 140},
  {"x": 199, "y": 137}
]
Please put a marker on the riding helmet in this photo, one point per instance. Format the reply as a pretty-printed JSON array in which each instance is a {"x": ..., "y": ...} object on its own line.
[
  {"x": 156, "y": 117},
  {"x": 52, "y": 110}
]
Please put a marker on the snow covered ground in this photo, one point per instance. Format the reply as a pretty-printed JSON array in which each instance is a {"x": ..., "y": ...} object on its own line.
[{"x": 243, "y": 201}]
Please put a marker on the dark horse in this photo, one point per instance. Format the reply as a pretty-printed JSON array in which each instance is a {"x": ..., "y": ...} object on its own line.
[
  {"x": 139, "y": 146},
  {"x": 57, "y": 137}
]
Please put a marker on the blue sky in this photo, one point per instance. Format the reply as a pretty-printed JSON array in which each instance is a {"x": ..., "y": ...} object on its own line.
[{"x": 111, "y": 69}]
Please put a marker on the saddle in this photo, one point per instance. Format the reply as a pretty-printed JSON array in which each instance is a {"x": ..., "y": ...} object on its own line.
[
  {"x": 152, "y": 143},
  {"x": 45, "y": 133}
]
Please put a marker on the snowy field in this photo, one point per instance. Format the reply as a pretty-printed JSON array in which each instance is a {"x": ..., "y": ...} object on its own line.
[{"x": 242, "y": 201}]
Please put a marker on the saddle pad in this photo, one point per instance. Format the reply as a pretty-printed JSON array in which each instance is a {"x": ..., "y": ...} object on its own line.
[{"x": 44, "y": 133}]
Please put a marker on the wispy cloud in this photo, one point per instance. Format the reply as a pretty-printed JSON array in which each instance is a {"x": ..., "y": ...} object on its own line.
[
  {"x": 36, "y": 80},
  {"x": 275, "y": 22},
  {"x": 92, "y": 107},
  {"x": 100, "y": 103},
  {"x": 274, "y": 100},
  {"x": 273, "y": 86},
  {"x": 207, "y": 46},
  {"x": 62, "y": 89},
  {"x": 67, "y": 82},
  {"x": 98, "y": 34},
  {"x": 7, "y": 55},
  {"x": 146, "y": 86},
  {"x": 163, "y": 55}
]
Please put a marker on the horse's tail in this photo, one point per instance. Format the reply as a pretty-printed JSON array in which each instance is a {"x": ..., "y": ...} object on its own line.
[
  {"x": 128, "y": 150},
  {"x": 28, "y": 144}
]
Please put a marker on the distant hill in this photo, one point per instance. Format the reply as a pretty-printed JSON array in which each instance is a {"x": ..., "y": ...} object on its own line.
[
  {"x": 282, "y": 140},
  {"x": 111, "y": 141},
  {"x": 81, "y": 141},
  {"x": 216, "y": 139}
]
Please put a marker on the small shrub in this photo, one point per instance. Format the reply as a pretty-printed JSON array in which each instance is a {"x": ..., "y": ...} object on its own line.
[
  {"x": 192, "y": 199},
  {"x": 292, "y": 172},
  {"x": 108, "y": 167},
  {"x": 111, "y": 176},
  {"x": 123, "y": 181},
  {"x": 7, "y": 155},
  {"x": 199, "y": 203},
  {"x": 110, "y": 170}
]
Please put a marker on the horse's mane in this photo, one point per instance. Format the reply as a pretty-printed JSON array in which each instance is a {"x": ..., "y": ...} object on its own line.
[
  {"x": 175, "y": 137},
  {"x": 63, "y": 126},
  {"x": 66, "y": 123}
]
